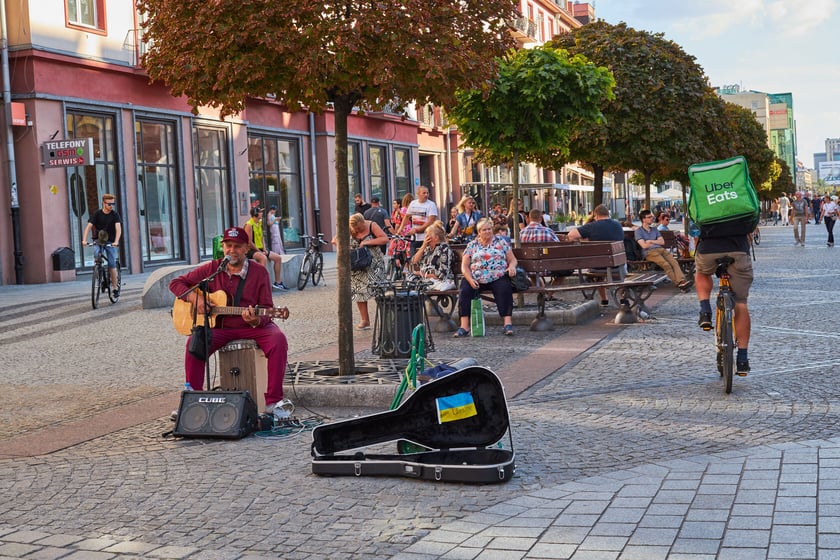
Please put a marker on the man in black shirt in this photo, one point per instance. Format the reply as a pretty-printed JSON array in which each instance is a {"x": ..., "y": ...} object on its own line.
[
  {"x": 107, "y": 220},
  {"x": 361, "y": 205}
]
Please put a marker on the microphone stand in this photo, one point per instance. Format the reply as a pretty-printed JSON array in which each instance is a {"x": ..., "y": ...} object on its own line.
[{"x": 204, "y": 286}]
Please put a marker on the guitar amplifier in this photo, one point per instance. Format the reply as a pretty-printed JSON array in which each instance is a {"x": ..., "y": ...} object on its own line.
[{"x": 243, "y": 367}]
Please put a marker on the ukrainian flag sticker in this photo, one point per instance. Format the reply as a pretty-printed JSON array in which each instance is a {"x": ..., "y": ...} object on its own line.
[{"x": 455, "y": 407}]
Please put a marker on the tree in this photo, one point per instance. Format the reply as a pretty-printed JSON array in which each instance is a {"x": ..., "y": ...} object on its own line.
[
  {"x": 658, "y": 102},
  {"x": 311, "y": 54},
  {"x": 535, "y": 103}
]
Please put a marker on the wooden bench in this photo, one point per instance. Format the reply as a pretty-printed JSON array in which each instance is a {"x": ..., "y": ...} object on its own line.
[{"x": 543, "y": 260}]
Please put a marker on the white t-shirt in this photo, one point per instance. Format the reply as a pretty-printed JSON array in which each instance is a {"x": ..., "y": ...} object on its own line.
[{"x": 419, "y": 213}]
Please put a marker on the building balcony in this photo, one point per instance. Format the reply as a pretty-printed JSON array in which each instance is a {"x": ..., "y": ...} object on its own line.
[{"x": 524, "y": 30}]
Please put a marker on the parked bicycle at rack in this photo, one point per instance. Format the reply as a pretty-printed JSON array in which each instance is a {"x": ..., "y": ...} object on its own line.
[{"x": 312, "y": 265}]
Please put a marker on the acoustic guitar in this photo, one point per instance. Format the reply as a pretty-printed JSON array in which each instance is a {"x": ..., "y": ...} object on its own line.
[{"x": 182, "y": 312}]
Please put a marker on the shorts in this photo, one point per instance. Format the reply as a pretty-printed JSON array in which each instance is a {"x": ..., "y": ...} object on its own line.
[{"x": 740, "y": 271}]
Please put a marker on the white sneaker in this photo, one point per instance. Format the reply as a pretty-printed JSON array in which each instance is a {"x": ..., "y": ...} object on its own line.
[{"x": 282, "y": 410}]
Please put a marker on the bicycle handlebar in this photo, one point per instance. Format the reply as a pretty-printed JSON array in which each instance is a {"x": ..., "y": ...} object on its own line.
[{"x": 320, "y": 238}]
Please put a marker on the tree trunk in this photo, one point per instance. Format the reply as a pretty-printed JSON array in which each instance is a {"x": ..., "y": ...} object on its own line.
[
  {"x": 515, "y": 218},
  {"x": 598, "y": 195},
  {"x": 648, "y": 175},
  {"x": 346, "y": 356}
]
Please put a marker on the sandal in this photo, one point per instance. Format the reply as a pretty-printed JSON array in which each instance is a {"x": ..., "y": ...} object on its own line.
[
  {"x": 461, "y": 333},
  {"x": 363, "y": 327},
  {"x": 508, "y": 330}
]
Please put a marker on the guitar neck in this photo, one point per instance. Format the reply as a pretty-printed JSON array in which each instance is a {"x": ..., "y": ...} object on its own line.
[{"x": 230, "y": 310}]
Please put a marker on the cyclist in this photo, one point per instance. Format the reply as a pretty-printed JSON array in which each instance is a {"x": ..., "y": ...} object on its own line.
[
  {"x": 108, "y": 220},
  {"x": 741, "y": 272}
]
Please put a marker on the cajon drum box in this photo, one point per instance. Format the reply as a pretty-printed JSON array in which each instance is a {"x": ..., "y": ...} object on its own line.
[{"x": 243, "y": 367}]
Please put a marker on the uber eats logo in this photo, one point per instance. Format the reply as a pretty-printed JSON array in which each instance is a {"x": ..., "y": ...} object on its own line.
[{"x": 720, "y": 192}]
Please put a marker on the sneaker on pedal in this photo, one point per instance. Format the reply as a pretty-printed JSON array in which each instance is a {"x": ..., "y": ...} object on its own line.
[
  {"x": 742, "y": 368},
  {"x": 705, "y": 321}
]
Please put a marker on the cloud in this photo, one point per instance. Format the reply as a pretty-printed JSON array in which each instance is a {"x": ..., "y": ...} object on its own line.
[
  {"x": 796, "y": 20},
  {"x": 697, "y": 18}
]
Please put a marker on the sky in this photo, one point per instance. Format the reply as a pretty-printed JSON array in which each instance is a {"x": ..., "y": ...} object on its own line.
[{"x": 772, "y": 46}]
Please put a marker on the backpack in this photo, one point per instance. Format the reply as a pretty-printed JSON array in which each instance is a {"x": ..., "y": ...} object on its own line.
[
  {"x": 722, "y": 199},
  {"x": 632, "y": 249}
]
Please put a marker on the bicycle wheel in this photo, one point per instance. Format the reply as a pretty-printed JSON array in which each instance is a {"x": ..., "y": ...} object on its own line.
[
  {"x": 111, "y": 295},
  {"x": 317, "y": 268},
  {"x": 96, "y": 285},
  {"x": 725, "y": 341},
  {"x": 305, "y": 269}
]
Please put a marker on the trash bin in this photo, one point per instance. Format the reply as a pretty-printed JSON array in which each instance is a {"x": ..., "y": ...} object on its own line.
[
  {"x": 64, "y": 258},
  {"x": 397, "y": 313}
]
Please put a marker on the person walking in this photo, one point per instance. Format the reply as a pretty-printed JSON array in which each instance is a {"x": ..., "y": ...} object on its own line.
[
  {"x": 828, "y": 214},
  {"x": 784, "y": 209},
  {"x": 274, "y": 231},
  {"x": 800, "y": 210}
]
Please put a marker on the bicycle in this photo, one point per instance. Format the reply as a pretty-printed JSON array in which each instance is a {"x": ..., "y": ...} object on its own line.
[
  {"x": 312, "y": 265},
  {"x": 398, "y": 251},
  {"x": 725, "y": 335},
  {"x": 101, "y": 277}
]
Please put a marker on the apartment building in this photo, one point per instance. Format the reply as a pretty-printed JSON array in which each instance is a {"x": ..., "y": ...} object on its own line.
[{"x": 88, "y": 122}]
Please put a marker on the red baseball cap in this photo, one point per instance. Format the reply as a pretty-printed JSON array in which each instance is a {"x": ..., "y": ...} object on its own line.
[{"x": 236, "y": 235}]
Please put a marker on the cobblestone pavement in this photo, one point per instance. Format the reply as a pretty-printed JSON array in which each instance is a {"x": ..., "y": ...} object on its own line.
[{"x": 630, "y": 450}]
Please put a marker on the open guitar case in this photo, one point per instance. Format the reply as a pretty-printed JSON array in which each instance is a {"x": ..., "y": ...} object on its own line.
[{"x": 456, "y": 421}]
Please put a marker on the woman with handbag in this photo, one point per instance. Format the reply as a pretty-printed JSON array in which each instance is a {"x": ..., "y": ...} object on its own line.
[
  {"x": 466, "y": 219},
  {"x": 365, "y": 235},
  {"x": 487, "y": 263}
]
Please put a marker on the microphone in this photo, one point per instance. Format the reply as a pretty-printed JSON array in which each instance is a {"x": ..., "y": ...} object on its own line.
[{"x": 224, "y": 263}]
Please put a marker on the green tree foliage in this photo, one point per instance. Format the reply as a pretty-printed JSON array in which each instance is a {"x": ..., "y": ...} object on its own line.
[
  {"x": 658, "y": 103},
  {"x": 534, "y": 105},
  {"x": 308, "y": 54},
  {"x": 781, "y": 182}
]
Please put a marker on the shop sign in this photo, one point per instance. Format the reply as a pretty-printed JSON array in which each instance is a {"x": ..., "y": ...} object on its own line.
[{"x": 67, "y": 153}]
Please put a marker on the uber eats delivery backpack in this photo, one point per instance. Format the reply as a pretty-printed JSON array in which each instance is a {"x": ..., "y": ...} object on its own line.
[{"x": 722, "y": 199}]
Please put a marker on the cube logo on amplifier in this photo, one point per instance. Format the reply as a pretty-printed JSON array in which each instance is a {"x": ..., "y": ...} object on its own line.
[{"x": 216, "y": 414}]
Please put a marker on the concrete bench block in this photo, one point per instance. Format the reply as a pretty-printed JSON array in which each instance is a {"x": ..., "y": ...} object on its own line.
[{"x": 156, "y": 292}]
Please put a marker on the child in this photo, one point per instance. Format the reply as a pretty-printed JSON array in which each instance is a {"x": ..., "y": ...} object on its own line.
[{"x": 502, "y": 230}]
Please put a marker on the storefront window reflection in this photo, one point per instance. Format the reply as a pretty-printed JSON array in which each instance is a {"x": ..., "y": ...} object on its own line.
[{"x": 157, "y": 186}]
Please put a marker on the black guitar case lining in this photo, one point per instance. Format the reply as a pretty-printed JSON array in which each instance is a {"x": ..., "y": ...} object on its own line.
[{"x": 457, "y": 418}]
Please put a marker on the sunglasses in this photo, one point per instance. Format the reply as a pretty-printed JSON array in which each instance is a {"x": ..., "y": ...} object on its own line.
[{"x": 108, "y": 203}]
